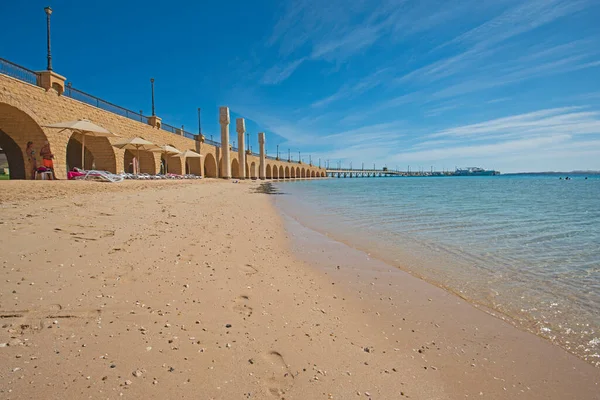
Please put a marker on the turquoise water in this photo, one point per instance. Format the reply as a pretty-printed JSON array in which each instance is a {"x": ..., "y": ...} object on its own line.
[{"x": 526, "y": 246}]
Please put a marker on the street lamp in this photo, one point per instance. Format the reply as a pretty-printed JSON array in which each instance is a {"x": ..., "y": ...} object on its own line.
[
  {"x": 289, "y": 155},
  {"x": 199, "y": 123},
  {"x": 48, "y": 11},
  {"x": 299, "y": 160},
  {"x": 152, "y": 84},
  {"x": 278, "y": 152}
]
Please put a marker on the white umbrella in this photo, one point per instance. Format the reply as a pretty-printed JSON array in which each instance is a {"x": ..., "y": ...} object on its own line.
[
  {"x": 189, "y": 154},
  {"x": 166, "y": 150},
  {"x": 136, "y": 143},
  {"x": 84, "y": 128}
]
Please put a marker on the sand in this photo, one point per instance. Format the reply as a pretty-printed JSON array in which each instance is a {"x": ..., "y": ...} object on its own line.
[{"x": 196, "y": 290}]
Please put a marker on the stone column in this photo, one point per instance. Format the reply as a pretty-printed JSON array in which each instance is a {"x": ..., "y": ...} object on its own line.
[
  {"x": 262, "y": 171},
  {"x": 240, "y": 126},
  {"x": 225, "y": 162}
]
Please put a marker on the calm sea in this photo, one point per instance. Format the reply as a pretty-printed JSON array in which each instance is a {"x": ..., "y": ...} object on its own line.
[{"x": 525, "y": 246}]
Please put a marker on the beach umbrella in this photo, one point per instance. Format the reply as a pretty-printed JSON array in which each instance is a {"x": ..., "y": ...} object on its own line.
[
  {"x": 84, "y": 128},
  {"x": 136, "y": 143},
  {"x": 167, "y": 151},
  {"x": 188, "y": 154}
]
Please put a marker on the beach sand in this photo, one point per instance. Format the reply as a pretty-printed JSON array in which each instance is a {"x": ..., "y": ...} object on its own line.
[{"x": 195, "y": 290}]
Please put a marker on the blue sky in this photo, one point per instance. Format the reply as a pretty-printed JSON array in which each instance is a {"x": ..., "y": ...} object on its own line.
[{"x": 504, "y": 84}]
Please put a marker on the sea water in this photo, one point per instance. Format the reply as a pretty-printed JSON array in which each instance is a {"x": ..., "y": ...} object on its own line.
[{"x": 525, "y": 246}]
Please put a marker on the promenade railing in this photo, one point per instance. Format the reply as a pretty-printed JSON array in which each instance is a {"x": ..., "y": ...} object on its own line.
[
  {"x": 16, "y": 71},
  {"x": 87, "y": 98}
]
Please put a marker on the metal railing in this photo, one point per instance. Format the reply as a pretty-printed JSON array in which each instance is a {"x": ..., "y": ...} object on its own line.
[
  {"x": 272, "y": 158},
  {"x": 212, "y": 142},
  {"x": 18, "y": 72},
  {"x": 189, "y": 135},
  {"x": 84, "y": 97},
  {"x": 170, "y": 128}
]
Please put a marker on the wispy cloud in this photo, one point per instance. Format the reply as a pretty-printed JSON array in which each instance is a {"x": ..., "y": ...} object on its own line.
[{"x": 278, "y": 73}]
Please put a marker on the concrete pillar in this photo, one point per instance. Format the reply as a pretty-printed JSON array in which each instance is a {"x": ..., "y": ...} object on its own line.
[
  {"x": 240, "y": 127},
  {"x": 51, "y": 80},
  {"x": 225, "y": 161},
  {"x": 262, "y": 171}
]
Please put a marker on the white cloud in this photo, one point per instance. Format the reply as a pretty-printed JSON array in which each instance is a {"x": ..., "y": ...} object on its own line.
[{"x": 278, "y": 73}]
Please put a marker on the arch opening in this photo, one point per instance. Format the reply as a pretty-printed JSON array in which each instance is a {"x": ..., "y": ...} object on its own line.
[
  {"x": 247, "y": 171},
  {"x": 287, "y": 172},
  {"x": 293, "y": 172},
  {"x": 268, "y": 172},
  {"x": 275, "y": 172},
  {"x": 303, "y": 173},
  {"x": 146, "y": 161},
  {"x": 281, "y": 173},
  {"x": 16, "y": 129},
  {"x": 297, "y": 172},
  {"x": 210, "y": 166},
  {"x": 193, "y": 165},
  {"x": 235, "y": 168},
  {"x": 253, "y": 170},
  {"x": 99, "y": 154}
]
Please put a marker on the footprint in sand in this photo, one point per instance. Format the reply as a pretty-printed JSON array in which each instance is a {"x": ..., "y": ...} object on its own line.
[
  {"x": 278, "y": 377},
  {"x": 248, "y": 269},
  {"x": 241, "y": 306}
]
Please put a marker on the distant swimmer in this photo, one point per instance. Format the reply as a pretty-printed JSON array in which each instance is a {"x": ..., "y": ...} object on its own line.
[
  {"x": 586, "y": 178},
  {"x": 560, "y": 178}
]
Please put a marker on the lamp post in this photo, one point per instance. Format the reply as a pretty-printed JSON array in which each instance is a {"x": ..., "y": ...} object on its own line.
[
  {"x": 152, "y": 84},
  {"x": 299, "y": 160},
  {"x": 48, "y": 11},
  {"x": 310, "y": 160},
  {"x": 289, "y": 155},
  {"x": 278, "y": 152},
  {"x": 199, "y": 123}
]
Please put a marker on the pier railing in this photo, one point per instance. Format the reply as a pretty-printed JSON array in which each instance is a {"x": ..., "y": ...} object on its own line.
[
  {"x": 87, "y": 98},
  {"x": 18, "y": 72}
]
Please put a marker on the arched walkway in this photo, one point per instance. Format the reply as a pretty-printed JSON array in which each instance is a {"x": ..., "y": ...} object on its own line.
[
  {"x": 303, "y": 173},
  {"x": 293, "y": 172},
  {"x": 147, "y": 165},
  {"x": 210, "y": 166},
  {"x": 235, "y": 168},
  {"x": 16, "y": 129},
  {"x": 281, "y": 173},
  {"x": 287, "y": 172},
  {"x": 99, "y": 153},
  {"x": 297, "y": 172},
  {"x": 253, "y": 170},
  {"x": 268, "y": 172},
  {"x": 247, "y": 172},
  {"x": 275, "y": 172}
]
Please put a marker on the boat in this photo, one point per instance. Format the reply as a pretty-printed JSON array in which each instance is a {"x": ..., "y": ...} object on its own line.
[{"x": 475, "y": 171}]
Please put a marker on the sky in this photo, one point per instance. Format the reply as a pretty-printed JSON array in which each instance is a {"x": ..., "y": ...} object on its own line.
[{"x": 510, "y": 85}]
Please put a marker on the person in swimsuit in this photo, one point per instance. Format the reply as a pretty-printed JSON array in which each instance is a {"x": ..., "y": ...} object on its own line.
[
  {"x": 31, "y": 159},
  {"x": 47, "y": 157}
]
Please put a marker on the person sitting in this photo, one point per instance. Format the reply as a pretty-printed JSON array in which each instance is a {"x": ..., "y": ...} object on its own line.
[{"x": 47, "y": 158}]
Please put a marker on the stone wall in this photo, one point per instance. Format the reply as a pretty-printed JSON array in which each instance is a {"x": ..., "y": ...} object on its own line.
[{"x": 26, "y": 109}]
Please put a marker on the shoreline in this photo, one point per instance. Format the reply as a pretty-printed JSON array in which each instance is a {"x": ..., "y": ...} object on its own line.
[
  {"x": 138, "y": 290},
  {"x": 406, "y": 261}
]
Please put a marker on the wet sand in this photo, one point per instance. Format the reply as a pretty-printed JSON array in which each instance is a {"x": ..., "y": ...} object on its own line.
[{"x": 196, "y": 290}]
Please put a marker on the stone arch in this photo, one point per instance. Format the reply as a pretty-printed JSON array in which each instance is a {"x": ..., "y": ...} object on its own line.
[
  {"x": 292, "y": 172},
  {"x": 287, "y": 172},
  {"x": 193, "y": 165},
  {"x": 275, "y": 172},
  {"x": 312, "y": 174},
  {"x": 303, "y": 173},
  {"x": 175, "y": 165},
  {"x": 253, "y": 170},
  {"x": 281, "y": 172},
  {"x": 17, "y": 127},
  {"x": 147, "y": 164},
  {"x": 248, "y": 175},
  {"x": 235, "y": 168},
  {"x": 210, "y": 166},
  {"x": 297, "y": 172},
  {"x": 268, "y": 172},
  {"x": 99, "y": 153}
]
